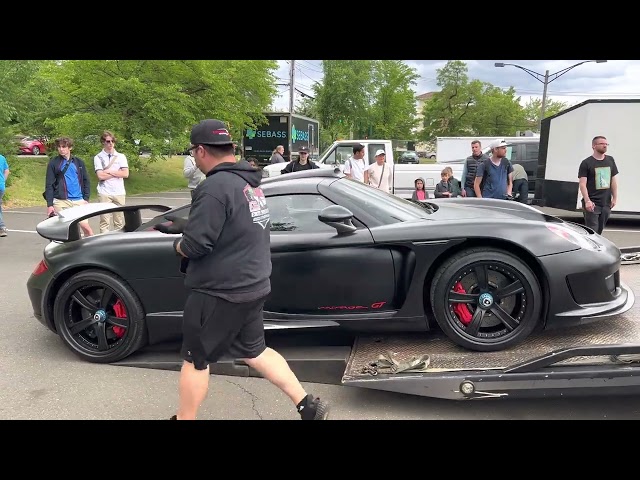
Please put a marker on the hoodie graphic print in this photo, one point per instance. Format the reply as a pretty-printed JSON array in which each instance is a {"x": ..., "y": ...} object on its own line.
[{"x": 257, "y": 205}]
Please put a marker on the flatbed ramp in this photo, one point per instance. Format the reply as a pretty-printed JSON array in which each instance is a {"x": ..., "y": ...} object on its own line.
[{"x": 602, "y": 357}]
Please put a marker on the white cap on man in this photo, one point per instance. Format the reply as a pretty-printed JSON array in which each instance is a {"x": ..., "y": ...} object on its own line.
[
  {"x": 380, "y": 152},
  {"x": 498, "y": 143}
]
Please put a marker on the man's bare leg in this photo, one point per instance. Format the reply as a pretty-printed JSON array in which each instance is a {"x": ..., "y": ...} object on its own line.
[
  {"x": 193, "y": 388},
  {"x": 86, "y": 228},
  {"x": 272, "y": 366}
]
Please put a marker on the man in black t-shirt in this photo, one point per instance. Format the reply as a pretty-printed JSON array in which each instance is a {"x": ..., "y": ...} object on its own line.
[{"x": 598, "y": 185}]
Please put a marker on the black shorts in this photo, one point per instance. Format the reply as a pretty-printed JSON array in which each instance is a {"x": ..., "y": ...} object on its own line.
[{"x": 213, "y": 327}]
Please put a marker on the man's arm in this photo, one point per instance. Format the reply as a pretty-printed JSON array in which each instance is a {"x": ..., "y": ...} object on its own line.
[
  {"x": 50, "y": 178},
  {"x": 288, "y": 168},
  {"x": 86, "y": 182},
  {"x": 614, "y": 183},
  {"x": 123, "y": 170},
  {"x": 206, "y": 219},
  {"x": 583, "y": 174},
  {"x": 478, "y": 180},
  {"x": 464, "y": 173},
  {"x": 189, "y": 167},
  {"x": 99, "y": 169},
  {"x": 347, "y": 168}
]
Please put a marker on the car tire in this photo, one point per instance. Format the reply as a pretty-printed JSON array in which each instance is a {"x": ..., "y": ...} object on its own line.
[
  {"x": 119, "y": 341},
  {"x": 498, "y": 331}
]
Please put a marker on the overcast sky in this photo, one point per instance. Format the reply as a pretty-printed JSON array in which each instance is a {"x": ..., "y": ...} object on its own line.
[{"x": 614, "y": 79}]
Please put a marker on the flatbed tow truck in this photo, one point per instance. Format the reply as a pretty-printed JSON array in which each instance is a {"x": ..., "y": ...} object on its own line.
[{"x": 600, "y": 358}]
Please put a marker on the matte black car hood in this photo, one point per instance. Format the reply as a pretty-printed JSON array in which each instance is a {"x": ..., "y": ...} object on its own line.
[{"x": 476, "y": 208}]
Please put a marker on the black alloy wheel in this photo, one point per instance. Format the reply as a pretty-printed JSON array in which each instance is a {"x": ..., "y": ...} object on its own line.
[
  {"x": 486, "y": 299},
  {"x": 98, "y": 318}
]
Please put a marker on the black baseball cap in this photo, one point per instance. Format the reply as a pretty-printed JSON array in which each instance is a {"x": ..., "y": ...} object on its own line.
[
  {"x": 303, "y": 150},
  {"x": 210, "y": 132}
]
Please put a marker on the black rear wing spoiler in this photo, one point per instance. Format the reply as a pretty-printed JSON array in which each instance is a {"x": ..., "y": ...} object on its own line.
[{"x": 64, "y": 226}]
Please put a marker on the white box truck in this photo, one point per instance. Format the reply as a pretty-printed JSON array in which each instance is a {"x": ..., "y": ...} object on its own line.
[{"x": 565, "y": 140}]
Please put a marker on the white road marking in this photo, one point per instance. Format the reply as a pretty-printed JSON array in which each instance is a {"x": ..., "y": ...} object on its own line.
[
  {"x": 165, "y": 198},
  {"x": 22, "y": 231},
  {"x": 44, "y": 214}
]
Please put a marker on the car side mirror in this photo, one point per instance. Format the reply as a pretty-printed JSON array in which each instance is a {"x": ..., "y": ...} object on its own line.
[{"x": 339, "y": 218}]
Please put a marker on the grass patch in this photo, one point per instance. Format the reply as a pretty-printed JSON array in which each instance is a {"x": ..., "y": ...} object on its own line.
[{"x": 28, "y": 175}]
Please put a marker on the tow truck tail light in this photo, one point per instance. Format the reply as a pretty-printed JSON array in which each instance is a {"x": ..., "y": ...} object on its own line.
[{"x": 40, "y": 268}]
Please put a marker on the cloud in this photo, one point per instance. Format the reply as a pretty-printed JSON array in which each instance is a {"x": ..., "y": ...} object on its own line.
[{"x": 614, "y": 79}]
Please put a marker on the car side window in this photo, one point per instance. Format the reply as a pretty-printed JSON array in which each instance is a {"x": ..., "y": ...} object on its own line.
[
  {"x": 532, "y": 150},
  {"x": 372, "y": 148},
  {"x": 298, "y": 213},
  {"x": 512, "y": 153}
]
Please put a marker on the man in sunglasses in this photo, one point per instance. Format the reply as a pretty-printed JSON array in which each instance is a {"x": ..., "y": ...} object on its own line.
[{"x": 111, "y": 169}]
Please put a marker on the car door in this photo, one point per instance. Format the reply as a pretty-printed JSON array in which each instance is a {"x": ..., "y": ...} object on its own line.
[
  {"x": 317, "y": 272},
  {"x": 162, "y": 280},
  {"x": 338, "y": 156}
]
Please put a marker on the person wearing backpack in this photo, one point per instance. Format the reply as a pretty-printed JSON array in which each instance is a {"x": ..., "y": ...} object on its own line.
[
  {"x": 67, "y": 182},
  {"x": 494, "y": 176},
  {"x": 355, "y": 165}
]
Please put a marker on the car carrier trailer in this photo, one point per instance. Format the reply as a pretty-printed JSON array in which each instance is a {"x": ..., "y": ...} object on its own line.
[{"x": 599, "y": 358}]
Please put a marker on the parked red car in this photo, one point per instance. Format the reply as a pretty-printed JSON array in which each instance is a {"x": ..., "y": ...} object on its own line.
[{"x": 31, "y": 146}]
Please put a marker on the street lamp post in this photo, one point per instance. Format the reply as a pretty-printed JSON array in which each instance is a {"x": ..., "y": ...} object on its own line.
[{"x": 546, "y": 79}]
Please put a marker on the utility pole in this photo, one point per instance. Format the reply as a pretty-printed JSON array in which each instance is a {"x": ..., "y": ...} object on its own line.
[
  {"x": 546, "y": 80},
  {"x": 292, "y": 90},
  {"x": 544, "y": 99}
]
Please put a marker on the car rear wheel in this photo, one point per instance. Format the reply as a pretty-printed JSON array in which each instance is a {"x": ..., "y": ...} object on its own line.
[
  {"x": 486, "y": 299},
  {"x": 98, "y": 317},
  {"x": 36, "y": 151}
]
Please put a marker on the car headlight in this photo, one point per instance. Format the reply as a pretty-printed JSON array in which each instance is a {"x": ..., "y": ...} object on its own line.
[{"x": 574, "y": 237}]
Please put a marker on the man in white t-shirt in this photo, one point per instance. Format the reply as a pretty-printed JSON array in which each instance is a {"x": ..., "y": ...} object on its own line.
[
  {"x": 111, "y": 169},
  {"x": 355, "y": 166},
  {"x": 379, "y": 175}
]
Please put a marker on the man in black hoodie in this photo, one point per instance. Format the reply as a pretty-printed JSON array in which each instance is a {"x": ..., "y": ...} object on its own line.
[{"x": 226, "y": 242}]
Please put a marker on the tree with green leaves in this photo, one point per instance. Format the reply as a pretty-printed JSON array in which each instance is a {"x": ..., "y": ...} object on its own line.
[
  {"x": 344, "y": 97},
  {"x": 465, "y": 107},
  {"x": 393, "y": 112},
  {"x": 448, "y": 112},
  {"x": 533, "y": 108},
  {"x": 154, "y": 103}
]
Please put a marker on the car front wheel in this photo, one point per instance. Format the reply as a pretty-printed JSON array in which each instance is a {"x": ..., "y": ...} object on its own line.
[
  {"x": 486, "y": 299},
  {"x": 98, "y": 317}
]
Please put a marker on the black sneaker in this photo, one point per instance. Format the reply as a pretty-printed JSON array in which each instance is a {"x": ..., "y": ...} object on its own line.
[
  {"x": 313, "y": 408},
  {"x": 175, "y": 417}
]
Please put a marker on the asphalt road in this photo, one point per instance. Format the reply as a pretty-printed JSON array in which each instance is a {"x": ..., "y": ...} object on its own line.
[{"x": 41, "y": 379}]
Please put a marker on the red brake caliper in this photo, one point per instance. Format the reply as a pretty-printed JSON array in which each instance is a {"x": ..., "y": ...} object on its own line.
[
  {"x": 461, "y": 309},
  {"x": 121, "y": 312}
]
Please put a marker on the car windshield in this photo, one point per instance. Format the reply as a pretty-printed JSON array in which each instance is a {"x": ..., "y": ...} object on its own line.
[{"x": 385, "y": 207}]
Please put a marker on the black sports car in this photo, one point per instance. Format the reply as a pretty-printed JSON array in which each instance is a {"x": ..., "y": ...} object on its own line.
[{"x": 345, "y": 256}]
